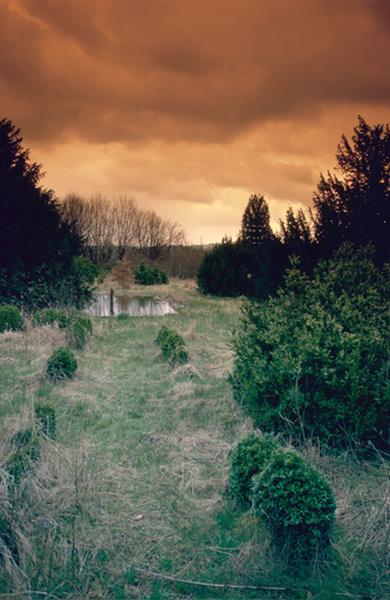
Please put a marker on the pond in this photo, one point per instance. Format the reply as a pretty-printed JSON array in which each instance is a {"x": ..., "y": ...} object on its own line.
[{"x": 105, "y": 306}]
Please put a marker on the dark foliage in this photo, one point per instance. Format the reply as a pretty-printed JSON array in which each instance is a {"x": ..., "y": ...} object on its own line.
[
  {"x": 36, "y": 248},
  {"x": 239, "y": 269},
  {"x": 298, "y": 505},
  {"x": 313, "y": 361},
  {"x": 297, "y": 240},
  {"x": 255, "y": 227},
  {"x": 354, "y": 204}
]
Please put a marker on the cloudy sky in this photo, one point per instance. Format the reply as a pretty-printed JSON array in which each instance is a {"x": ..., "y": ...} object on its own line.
[{"x": 189, "y": 106}]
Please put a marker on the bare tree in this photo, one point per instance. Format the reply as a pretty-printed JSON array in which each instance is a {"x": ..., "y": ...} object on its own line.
[
  {"x": 124, "y": 215},
  {"x": 113, "y": 225}
]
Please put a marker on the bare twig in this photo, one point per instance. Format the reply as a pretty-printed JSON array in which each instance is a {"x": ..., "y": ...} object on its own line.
[{"x": 228, "y": 586}]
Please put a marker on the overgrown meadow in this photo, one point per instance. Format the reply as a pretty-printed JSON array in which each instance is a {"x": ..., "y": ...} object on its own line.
[{"x": 129, "y": 498}]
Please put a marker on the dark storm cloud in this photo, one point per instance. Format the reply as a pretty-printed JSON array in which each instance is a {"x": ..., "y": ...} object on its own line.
[
  {"x": 192, "y": 105},
  {"x": 186, "y": 70}
]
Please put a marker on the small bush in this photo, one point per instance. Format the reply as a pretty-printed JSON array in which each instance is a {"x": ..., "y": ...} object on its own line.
[
  {"x": 146, "y": 275},
  {"x": 79, "y": 329},
  {"x": 172, "y": 346},
  {"x": 45, "y": 417},
  {"x": 298, "y": 504},
  {"x": 10, "y": 318},
  {"x": 62, "y": 364},
  {"x": 247, "y": 458},
  {"x": 50, "y": 316}
]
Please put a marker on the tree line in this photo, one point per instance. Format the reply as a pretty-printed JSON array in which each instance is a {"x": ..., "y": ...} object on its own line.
[
  {"x": 110, "y": 227},
  {"x": 350, "y": 204}
]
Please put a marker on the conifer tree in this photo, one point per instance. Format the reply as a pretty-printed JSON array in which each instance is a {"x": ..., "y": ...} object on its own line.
[{"x": 256, "y": 228}]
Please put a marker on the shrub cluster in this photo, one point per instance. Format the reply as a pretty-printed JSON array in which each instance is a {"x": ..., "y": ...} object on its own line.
[
  {"x": 146, "y": 275},
  {"x": 62, "y": 364},
  {"x": 172, "y": 346},
  {"x": 10, "y": 318},
  {"x": 295, "y": 499},
  {"x": 298, "y": 504},
  {"x": 313, "y": 361},
  {"x": 50, "y": 316}
]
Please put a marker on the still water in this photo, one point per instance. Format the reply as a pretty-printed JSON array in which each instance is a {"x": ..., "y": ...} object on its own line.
[{"x": 103, "y": 306}]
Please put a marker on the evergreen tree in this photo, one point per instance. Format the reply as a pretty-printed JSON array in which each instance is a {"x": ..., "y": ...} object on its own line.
[
  {"x": 354, "y": 204},
  {"x": 36, "y": 247},
  {"x": 256, "y": 228},
  {"x": 297, "y": 240}
]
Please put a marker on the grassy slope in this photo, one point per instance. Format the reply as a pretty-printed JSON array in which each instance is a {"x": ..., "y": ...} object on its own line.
[{"x": 143, "y": 453}]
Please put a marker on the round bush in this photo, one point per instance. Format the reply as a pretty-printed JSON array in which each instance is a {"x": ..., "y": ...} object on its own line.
[
  {"x": 62, "y": 364},
  {"x": 45, "y": 417},
  {"x": 10, "y": 318},
  {"x": 298, "y": 504},
  {"x": 247, "y": 458},
  {"x": 172, "y": 346}
]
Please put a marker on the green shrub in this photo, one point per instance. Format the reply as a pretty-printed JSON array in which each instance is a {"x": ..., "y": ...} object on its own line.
[
  {"x": 162, "y": 335},
  {"x": 78, "y": 331},
  {"x": 49, "y": 316},
  {"x": 298, "y": 504},
  {"x": 85, "y": 270},
  {"x": 45, "y": 417},
  {"x": 146, "y": 275},
  {"x": 10, "y": 318},
  {"x": 313, "y": 362},
  {"x": 172, "y": 346},
  {"x": 247, "y": 458},
  {"x": 62, "y": 364}
]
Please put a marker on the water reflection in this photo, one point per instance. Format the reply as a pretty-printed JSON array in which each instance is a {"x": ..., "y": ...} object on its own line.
[{"x": 104, "y": 306}]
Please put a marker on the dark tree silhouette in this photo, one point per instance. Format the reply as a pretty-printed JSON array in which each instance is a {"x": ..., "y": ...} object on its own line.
[
  {"x": 256, "y": 226},
  {"x": 33, "y": 239},
  {"x": 251, "y": 266},
  {"x": 353, "y": 204},
  {"x": 297, "y": 239}
]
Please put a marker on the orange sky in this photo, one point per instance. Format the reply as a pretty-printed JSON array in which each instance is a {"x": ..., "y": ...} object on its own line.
[{"x": 189, "y": 106}]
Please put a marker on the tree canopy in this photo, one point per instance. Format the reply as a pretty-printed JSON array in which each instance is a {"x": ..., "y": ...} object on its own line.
[
  {"x": 35, "y": 245},
  {"x": 353, "y": 204}
]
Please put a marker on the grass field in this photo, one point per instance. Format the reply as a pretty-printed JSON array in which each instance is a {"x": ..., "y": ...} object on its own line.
[{"x": 133, "y": 489}]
